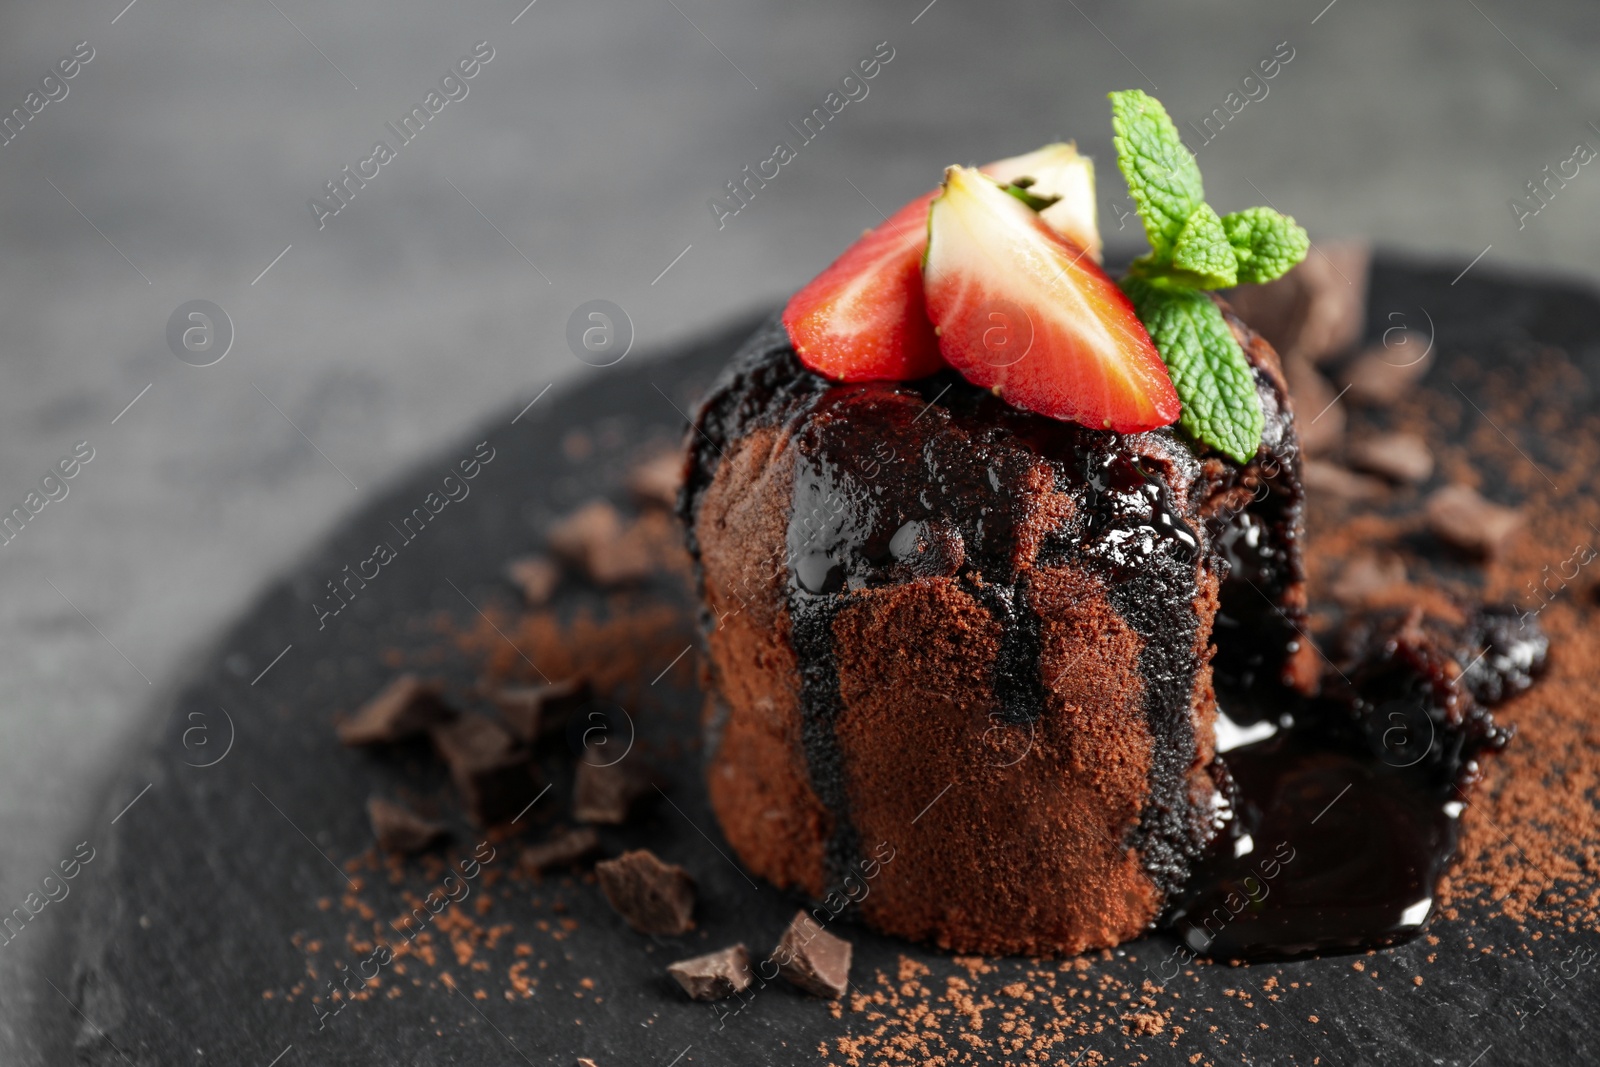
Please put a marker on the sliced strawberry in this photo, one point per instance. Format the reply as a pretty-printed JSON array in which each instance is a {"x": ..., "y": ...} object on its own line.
[
  {"x": 1023, "y": 311},
  {"x": 864, "y": 318},
  {"x": 1057, "y": 170}
]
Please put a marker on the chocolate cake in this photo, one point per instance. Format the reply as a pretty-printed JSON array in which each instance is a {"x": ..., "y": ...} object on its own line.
[
  {"x": 985, "y": 540},
  {"x": 984, "y": 643}
]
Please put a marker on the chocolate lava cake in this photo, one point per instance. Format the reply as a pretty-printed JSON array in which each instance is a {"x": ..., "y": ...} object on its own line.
[{"x": 984, "y": 643}]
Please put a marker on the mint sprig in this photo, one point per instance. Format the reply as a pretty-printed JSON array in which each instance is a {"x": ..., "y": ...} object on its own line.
[
  {"x": 1208, "y": 368},
  {"x": 1193, "y": 249}
]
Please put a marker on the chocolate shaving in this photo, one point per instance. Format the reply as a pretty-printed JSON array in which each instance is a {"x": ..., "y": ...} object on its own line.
[
  {"x": 1458, "y": 516},
  {"x": 493, "y": 774},
  {"x": 405, "y": 708},
  {"x": 607, "y": 794},
  {"x": 537, "y": 711},
  {"x": 654, "y": 897},
  {"x": 536, "y": 576},
  {"x": 399, "y": 829},
  {"x": 714, "y": 975},
  {"x": 563, "y": 850},
  {"x": 812, "y": 959}
]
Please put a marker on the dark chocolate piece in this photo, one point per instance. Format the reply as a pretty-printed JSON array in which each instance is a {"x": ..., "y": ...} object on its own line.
[
  {"x": 714, "y": 975},
  {"x": 494, "y": 775},
  {"x": 656, "y": 481},
  {"x": 594, "y": 539},
  {"x": 1320, "y": 417},
  {"x": 1318, "y": 309},
  {"x": 405, "y": 708},
  {"x": 1384, "y": 373},
  {"x": 400, "y": 829},
  {"x": 812, "y": 959},
  {"x": 1324, "y": 477},
  {"x": 537, "y": 711},
  {"x": 1461, "y": 518},
  {"x": 563, "y": 850},
  {"x": 1367, "y": 578},
  {"x": 1399, "y": 457},
  {"x": 606, "y": 794},
  {"x": 536, "y": 576},
  {"x": 654, "y": 897}
]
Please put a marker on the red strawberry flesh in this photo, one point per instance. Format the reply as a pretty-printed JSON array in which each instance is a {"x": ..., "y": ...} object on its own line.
[{"x": 1025, "y": 312}]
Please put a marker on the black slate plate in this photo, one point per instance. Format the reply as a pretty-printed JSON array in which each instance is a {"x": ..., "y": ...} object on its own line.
[{"x": 189, "y": 928}]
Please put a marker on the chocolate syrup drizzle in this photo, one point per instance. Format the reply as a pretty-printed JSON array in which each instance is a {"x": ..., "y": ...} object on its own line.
[{"x": 1333, "y": 833}]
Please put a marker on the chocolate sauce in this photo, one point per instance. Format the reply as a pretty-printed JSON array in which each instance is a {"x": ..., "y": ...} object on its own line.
[
  {"x": 1342, "y": 823},
  {"x": 1326, "y": 851}
]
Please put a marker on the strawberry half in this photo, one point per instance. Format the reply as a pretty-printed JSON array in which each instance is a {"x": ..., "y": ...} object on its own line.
[
  {"x": 1023, "y": 311},
  {"x": 864, "y": 318}
]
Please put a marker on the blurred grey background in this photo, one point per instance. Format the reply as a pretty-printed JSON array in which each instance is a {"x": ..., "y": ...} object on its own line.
[{"x": 579, "y": 165}]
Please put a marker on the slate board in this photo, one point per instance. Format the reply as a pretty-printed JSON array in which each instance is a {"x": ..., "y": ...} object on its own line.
[{"x": 184, "y": 919}]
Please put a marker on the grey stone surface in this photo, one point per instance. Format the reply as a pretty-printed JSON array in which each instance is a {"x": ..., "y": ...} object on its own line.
[{"x": 181, "y": 160}]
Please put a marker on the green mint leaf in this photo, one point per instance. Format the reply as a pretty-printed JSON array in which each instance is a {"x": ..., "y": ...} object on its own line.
[
  {"x": 1203, "y": 250},
  {"x": 1162, "y": 176},
  {"x": 1214, "y": 381},
  {"x": 1266, "y": 243}
]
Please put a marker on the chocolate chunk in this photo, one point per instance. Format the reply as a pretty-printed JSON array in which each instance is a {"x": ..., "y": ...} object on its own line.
[
  {"x": 400, "y": 829},
  {"x": 656, "y": 480},
  {"x": 654, "y": 897},
  {"x": 573, "y": 537},
  {"x": 536, "y": 711},
  {"x": 594, "y": 540},
  {"x": 1323, "y": 477},
  {"x": 536, "y": 576},
  {"x": 1367, "y": 579},
  {"x": 493, "y": 774},
  {"x": 607, "y": 794},
  {"x": 1315, "y": 311},
  {"x": 1458, "y": 516},
  {"x": 714, "y": 975},
  {"x": 407, "y": 707},
  {"x": 1384, "y": 373},
  {"x": 813, "y": 959},
  {"x": 1319, "y": 416},
  {"x": 1400, "y": 457},
  {"x": 563, "y": 850}
]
